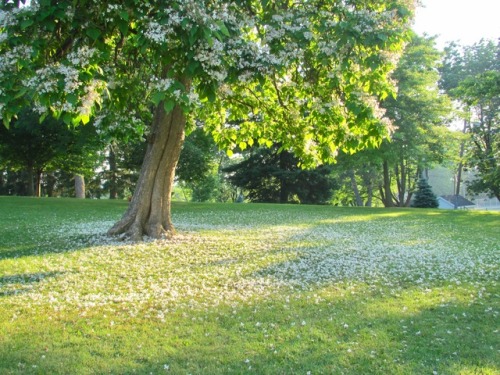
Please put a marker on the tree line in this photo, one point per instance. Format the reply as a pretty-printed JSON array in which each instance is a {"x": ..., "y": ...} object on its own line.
[{"x": 46, "y": 158}]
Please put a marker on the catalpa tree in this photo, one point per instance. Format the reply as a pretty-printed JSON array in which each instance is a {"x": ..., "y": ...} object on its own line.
[{"x": 309, "y": 74}]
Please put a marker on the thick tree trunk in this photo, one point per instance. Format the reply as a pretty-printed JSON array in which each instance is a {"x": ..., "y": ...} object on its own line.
[
  {"x": 369, "y": 192},
  {"x": 79, "y": 186},
  {"x": 149, "y": 210}
]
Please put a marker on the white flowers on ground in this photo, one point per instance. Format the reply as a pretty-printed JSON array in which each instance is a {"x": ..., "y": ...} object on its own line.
[{"x": 232, "y": 258}]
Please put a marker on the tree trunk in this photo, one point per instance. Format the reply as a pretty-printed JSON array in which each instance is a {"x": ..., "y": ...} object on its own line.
[
  {"x": 38, "y": 184},
  {"x": 31, "y": 177},
  {"x": 113, "y": 191},
  {"x": 283, "y": 183},
  {"x": 51, "y": 183},
  {"x": 79, "y": 186},
  {"x": 369, "y": 191},
  {"x": 388, "y": 202},
  {"x": 354, "y": 185},
  {"x": 149, "y": 210}
]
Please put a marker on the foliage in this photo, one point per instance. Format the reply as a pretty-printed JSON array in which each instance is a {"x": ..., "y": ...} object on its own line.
[
  {"x": 472, "y": 76},
  {"x": 47, "y": 146},
  {"x": 418, "y": 114},
  {"x": 424, "y": 196},
  {"x": 482, "y": 94},
  {"x": 268, "y": 175},
  {"x": 313, "y": 69},
  {"x": 307, "y": 73},
  {"x": 271, "y": 287},
  {"x": 462, "y": 62},
  {"x": 359, "y": 177},
  {"x": 124, "y": 158}
]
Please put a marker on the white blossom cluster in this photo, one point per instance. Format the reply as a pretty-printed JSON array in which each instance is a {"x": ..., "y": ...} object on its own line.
[
  {"x": 117, "y": 123},
  {"x": 10, "y": 59},
  {"x": 209, "y": 56},
  {"x": 45, "y": 82},
  {"x": 14, "y": 15},
  {"x": 157, "y": 33}
]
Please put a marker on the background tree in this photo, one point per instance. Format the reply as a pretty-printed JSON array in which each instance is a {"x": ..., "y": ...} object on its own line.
[
  {"x": 470, "y": 74},
  {"x": 424, "y": 197},
  {"x": 270, "y": 176},
  {"x": 124, "y": 159},
  {"x": 481, "y": 94},
  {"x": 198, "y": 166},
  {"x": 359, "y": 176},
  {"x": 418, "y": 113},
  {"x": 36, "y": 147},
  {"x": 313, "y": 71}
]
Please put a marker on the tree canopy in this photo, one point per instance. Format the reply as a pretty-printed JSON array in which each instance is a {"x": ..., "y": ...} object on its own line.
[
  {"x": 419, "y": 113},
  {"x": 309, "y": 74},
  {"x": 471, "y": 74}
]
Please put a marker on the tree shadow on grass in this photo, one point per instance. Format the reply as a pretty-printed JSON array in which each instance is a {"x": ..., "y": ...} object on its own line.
[
  {"x": 55, "y": 245},
  {"x": 23, "y": 283},
  {"x": 271, "y": 340}
]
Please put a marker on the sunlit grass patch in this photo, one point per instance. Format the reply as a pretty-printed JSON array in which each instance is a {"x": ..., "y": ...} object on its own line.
[{"x": 249, "y": 289}]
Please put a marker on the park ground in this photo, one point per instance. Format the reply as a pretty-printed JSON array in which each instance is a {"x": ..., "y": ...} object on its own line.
[{"x": 249, "y": 288}]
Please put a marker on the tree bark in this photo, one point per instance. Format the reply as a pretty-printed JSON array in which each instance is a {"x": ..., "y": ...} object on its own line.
[
  {"x": 113, "y": 191},
  {"x": 51, "y": 183},
  {"x": 354, "y": 185},
  {"x": 388, "y": 202},
  {"x": 79, "y": 186},
  {"x": 31, "y": 181},
  {"x": 38, "y": 184},
  {"x": 149, "y": 212}
]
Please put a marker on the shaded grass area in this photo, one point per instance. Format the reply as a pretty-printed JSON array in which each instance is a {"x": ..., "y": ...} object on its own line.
[{"x": 262, "y": 289}]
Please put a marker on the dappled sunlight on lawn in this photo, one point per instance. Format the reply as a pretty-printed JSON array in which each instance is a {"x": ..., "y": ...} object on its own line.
[{"x": 280, "y": 290}]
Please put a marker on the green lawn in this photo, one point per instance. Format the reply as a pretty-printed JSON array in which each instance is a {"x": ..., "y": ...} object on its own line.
[{"x": 247, "y": 288}]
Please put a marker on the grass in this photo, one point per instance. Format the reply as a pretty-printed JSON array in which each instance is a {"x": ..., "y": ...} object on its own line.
[{"x": 244, "y": 289}]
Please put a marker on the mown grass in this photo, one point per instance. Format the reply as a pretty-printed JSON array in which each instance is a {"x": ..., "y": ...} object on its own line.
[{"x": 262, "y": 289}]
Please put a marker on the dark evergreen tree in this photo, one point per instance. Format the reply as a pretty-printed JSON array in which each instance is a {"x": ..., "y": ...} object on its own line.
[
  {"x": 424, "y": 197},
  {"x": 271, "y": 176}
]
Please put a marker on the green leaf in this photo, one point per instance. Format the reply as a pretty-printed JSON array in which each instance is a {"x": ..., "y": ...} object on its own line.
[
  {"x": 168, "y": 105},
  {"x": 123, "y": 27},
  {"x": 229, "y": 153},
  {"x": 208, "y": 36},
  {"x": 72, "y": 99},
  {"x": 222, "y": 28},
  {"x": 157, "y": 97},
  {"x": 85, "y": 119},
  {"x": 67, "y": 118},
  {"x": 6, "y": 120},
  {"x": 26, "y": 23},
  {"x": 21, "y": 93},
  {"x": 192, "y": 35},
  {"x": 93, "y": 33},
  {"x": 124, "y": 15},
  {"x": 193, "y": 65},
  {"x": 43, "y": 117}
]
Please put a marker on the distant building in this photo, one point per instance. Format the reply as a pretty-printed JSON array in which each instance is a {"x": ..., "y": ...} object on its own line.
[{"x": 450, "y": 202}]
